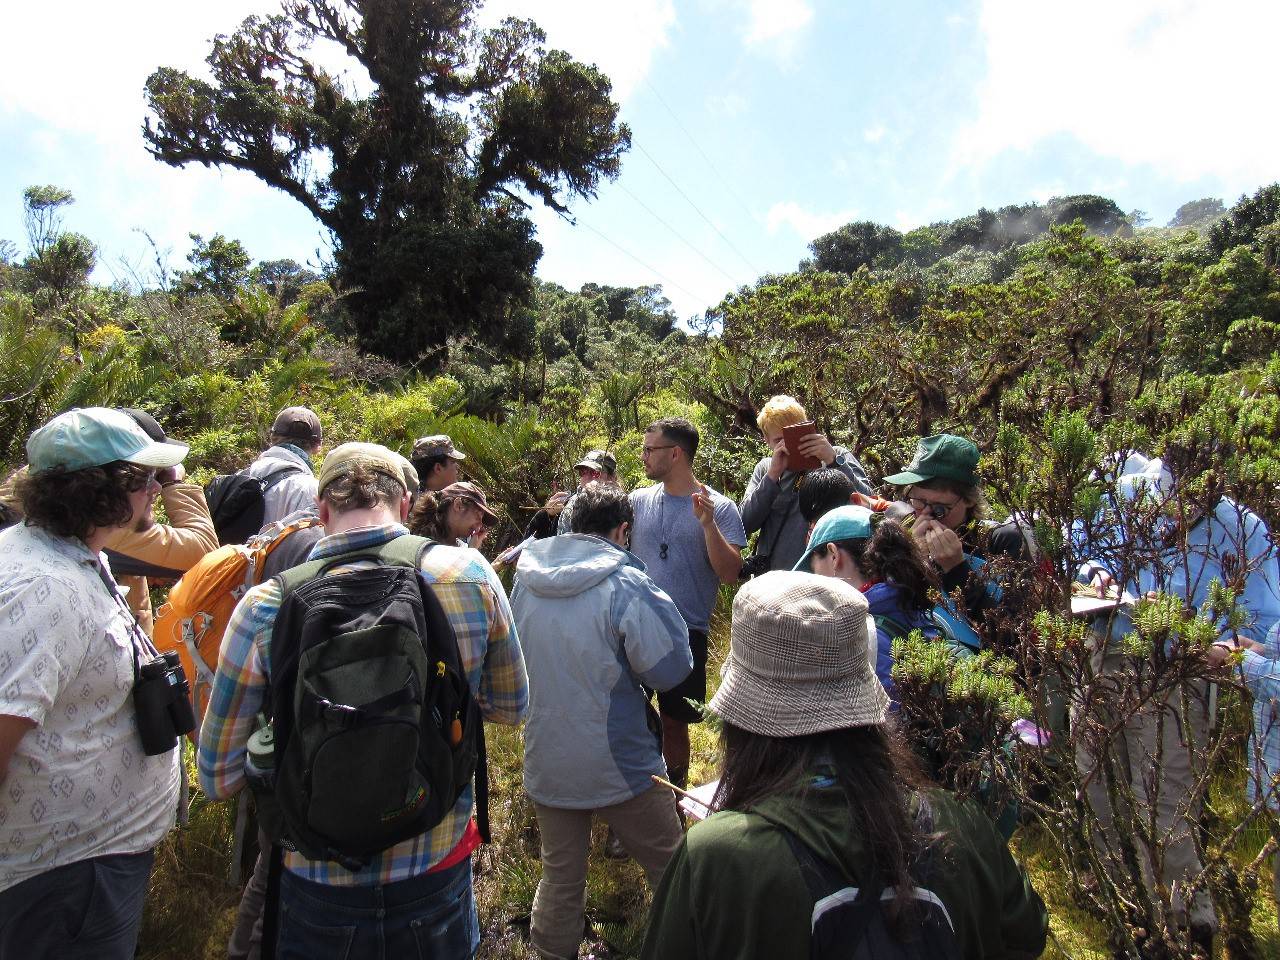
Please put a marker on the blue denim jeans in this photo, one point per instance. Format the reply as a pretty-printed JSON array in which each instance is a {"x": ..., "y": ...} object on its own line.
[
  {"x": 428, "y": 917},
  {"x": 87, "y": 910}
]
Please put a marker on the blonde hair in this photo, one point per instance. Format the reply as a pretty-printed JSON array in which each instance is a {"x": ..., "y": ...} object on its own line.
[{"x": 781, "y": 411}]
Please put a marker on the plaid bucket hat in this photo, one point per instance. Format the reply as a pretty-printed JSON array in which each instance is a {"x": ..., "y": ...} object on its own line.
[{"x": 798, "y": 658}]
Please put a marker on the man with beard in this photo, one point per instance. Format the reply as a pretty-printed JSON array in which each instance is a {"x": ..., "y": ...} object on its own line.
[{"x": 83, "y": 805}]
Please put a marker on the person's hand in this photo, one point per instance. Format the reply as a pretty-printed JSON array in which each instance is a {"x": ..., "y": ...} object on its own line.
[
  {"x": 477, "y": 537},
  {"x": 174, "y": 474},
  {"x": 703, "y": 509},
  {"x": 1101, "y": 583},
  {"x": 778, "y": 464},
  {"x": 942, "y": 544},
  {"x": 1218, "y": 654},
  {"x": 817, "y": 445}
]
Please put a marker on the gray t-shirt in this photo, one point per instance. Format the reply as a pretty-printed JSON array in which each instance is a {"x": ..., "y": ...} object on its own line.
[{"x": 686, "y": 573}]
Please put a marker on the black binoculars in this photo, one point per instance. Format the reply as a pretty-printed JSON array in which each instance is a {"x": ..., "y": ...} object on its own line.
[{"x": 162, "y": 699}]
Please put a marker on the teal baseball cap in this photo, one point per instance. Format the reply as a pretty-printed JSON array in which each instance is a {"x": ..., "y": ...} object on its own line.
[
  {"x": 941, "y": 456},
  {"x": 95, "y": 436},
  {"x": 842, "y": 523}
]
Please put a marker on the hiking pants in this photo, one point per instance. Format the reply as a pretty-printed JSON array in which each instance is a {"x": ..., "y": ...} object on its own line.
[
  {"x": 647, "y": 827},
  {"x": 1151, "y": 754},
  {"x": 87, "y": 910}
]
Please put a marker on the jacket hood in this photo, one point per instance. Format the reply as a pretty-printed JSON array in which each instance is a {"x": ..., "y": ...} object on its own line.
[{"x": 570, "y": 564}]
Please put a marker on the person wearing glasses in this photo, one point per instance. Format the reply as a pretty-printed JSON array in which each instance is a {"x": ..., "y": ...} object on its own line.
[
  {"x": 82, "y": 803},
  {"x": 690, "y": 538},
  {"x": 770, "y": 503},
  {"x": 942, "y": 488}
]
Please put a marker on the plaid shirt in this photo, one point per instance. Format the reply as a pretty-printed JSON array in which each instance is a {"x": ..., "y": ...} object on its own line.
[
  {"x": 1261, "y": 674},
  {"x": 477, "y": 608}
]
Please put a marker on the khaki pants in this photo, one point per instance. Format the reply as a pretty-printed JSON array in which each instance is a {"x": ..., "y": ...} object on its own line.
[
  {"x": 647, "y": 826},
  {"x": 1159, "y": 770}
]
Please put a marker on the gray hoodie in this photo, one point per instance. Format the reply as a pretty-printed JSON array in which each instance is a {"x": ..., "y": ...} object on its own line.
[{"x": 594, "y": 627}]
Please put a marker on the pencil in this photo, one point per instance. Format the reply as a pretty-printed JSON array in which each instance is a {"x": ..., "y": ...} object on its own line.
[{"x": 671, "y": 786}]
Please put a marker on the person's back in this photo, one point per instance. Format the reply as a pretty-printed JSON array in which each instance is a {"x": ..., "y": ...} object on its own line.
[
  {"x": 597, "y": 627},
  {"x": 286, "y": 464},
  {"x": 593, "y": 627},
  {"x": 363, "y": 503}
]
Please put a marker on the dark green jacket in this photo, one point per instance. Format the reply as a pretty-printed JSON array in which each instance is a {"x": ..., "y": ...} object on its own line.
[{"x": 734, "y": 891}]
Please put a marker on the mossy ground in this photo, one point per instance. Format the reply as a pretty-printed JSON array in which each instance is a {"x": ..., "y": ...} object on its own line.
[{"x": 191, "y": 906}]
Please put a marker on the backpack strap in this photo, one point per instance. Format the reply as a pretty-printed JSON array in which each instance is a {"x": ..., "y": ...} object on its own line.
[
  {"x": 405, "y": 550},
  {"x": 891, "y": 626},
  {"x": 827, "y": 884},
  {"x": 275, "y": 476}
]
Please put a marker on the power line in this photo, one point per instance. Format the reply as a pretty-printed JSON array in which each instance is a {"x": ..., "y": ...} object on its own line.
[
  {"x": 730, "y": 277},
  {"x": 627, "y": 253},
  {"x": 730, "y": 243},
  {"x": 724, "y": 181}
]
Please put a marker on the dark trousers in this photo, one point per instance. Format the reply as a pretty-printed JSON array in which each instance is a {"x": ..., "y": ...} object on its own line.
[
  {"x": 428, "y": 917},
  {"x": 88, "y": 910}
]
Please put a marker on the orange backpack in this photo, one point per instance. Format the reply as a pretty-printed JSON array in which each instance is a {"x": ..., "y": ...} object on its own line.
[{"x": 195, "y": 615}]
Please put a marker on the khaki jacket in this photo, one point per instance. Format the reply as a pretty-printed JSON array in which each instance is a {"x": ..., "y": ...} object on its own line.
[{"x": 177, "y": 545}]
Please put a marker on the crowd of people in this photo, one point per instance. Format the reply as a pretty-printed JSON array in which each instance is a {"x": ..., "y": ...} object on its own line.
[{"x": 368, "y": 638}]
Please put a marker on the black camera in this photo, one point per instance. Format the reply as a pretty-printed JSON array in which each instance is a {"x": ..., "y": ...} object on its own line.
[
  {"x": 162, "y": 699},
  {"x": 754, "y": 566}
]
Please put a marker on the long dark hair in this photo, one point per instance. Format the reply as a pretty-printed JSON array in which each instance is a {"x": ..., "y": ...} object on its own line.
[
  {"x": 74, "y": 503},
  {"x": 873, "y": 769},
  {"x": 891, "y": 554}
]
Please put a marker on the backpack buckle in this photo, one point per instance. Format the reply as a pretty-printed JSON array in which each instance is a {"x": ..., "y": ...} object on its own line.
[{"x": 344, "y": 715}]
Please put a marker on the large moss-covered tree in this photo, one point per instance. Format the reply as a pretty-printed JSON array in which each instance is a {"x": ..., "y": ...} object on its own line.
[{"x": 422, "y": 180}]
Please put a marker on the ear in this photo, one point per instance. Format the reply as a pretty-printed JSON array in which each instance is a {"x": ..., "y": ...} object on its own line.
[
  {"x": 406, "y": 503},
  {"x": 325, "y": 514}
]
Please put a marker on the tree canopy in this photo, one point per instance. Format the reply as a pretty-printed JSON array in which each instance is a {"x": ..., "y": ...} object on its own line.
[{"x": 422, "y": 181}]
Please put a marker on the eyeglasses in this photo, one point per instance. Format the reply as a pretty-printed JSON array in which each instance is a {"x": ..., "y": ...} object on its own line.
[
  {"x": 134, "y": 479},
  {"x": 932, "y": 507},
  {"x": 645, "y": 451}
]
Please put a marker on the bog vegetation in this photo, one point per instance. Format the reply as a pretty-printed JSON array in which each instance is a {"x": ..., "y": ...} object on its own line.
[{"x": 1059, "y": 336}]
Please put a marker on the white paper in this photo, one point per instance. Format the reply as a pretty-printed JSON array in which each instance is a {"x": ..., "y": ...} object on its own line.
[{"x": 700, "y": 808}]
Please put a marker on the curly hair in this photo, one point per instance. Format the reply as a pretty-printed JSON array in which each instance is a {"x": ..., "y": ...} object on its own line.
[
  {"x": 74, "y": 503},
  {"x": 362, "y": 488},
  {"x": 430, "y": 516},
  {"x": 892, "y": 554}
]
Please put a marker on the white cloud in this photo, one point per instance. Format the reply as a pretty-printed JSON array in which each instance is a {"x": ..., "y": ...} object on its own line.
[
  {"x": 776, "y": 22},
  {"x": 807, "y": 224},
  {"x": 874, "y": 134},
  {"x": 1182, "y": 87},
  {"x": 621, "y": 39}
]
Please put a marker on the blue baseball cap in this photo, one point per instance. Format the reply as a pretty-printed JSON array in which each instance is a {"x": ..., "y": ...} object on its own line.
[
  {"x": 842, "y": 523},
  {"x": 95, "y": 436}
]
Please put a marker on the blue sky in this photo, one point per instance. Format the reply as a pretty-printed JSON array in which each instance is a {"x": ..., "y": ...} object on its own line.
[{"x": 758, "y": 124}]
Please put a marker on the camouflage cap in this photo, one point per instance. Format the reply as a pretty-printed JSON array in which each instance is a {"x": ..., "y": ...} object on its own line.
[{"x": 438, "y": 445}]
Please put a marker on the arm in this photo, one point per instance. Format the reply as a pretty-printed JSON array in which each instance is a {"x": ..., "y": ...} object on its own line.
[
  {"x": 180, "y": 543},
  {"x": 12, "y": 730},
  {"x": 1262, "y": 588},
  {"x": 716, "y": 520},
  {"x": 655, "y": 637},
  {"x": 848, "y": 464},
  {"x": 504, "y": 683},
  {"x": 762, "y": 490},
  {"x": 239, "y": 691}
]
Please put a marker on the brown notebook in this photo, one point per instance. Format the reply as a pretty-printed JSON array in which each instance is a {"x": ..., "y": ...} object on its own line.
[{"x": 791, "y": 437}]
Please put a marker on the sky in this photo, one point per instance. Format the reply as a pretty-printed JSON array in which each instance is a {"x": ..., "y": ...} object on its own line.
[{"x": 757, "y": 125}]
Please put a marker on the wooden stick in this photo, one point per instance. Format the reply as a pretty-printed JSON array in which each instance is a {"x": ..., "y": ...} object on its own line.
[{"x": 684, "y": 793}]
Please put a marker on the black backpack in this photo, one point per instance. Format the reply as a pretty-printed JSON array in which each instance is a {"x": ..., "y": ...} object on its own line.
[
  {"x": 237, "y": 503},
  {"x": 850, "y": 924},
  {"x": 376, "y": 732}
]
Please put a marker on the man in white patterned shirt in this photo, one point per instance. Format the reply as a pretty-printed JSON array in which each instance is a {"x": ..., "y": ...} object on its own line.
[{"x": 82, "y": 806}]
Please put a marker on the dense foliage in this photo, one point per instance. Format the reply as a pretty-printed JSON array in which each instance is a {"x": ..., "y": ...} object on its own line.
[{"x": 1057, "y": 354}]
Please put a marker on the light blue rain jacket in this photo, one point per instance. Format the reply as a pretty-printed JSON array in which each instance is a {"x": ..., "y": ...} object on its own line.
[{"x": 594, "y": 627}]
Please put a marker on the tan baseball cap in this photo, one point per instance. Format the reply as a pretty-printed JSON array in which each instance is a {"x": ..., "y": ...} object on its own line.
[
  {"x": 469, "y": 491},
  {"x": 346, "y": 457}
]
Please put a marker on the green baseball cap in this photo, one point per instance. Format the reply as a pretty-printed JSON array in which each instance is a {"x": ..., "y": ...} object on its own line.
[
  {"x": 942, "y": 456},
  {"x": 95, "y": 436},
  {"x": 344, "y": 458},
  {"x": 842, "y": 523}
]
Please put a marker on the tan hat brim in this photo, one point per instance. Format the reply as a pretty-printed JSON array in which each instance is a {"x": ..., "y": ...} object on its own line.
[{"x": 791, "y": 708}]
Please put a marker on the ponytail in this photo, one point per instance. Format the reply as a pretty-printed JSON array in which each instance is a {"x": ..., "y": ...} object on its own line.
[{"x": 892, "y": 555}]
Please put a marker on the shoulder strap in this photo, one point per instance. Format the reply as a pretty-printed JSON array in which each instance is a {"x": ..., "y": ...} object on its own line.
[
  {"x": 405, "y": 550},
  {"x": 275, "y": 476},
  {"x": 890, "y": 625},
  {"x": 823, "y": 881}
]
